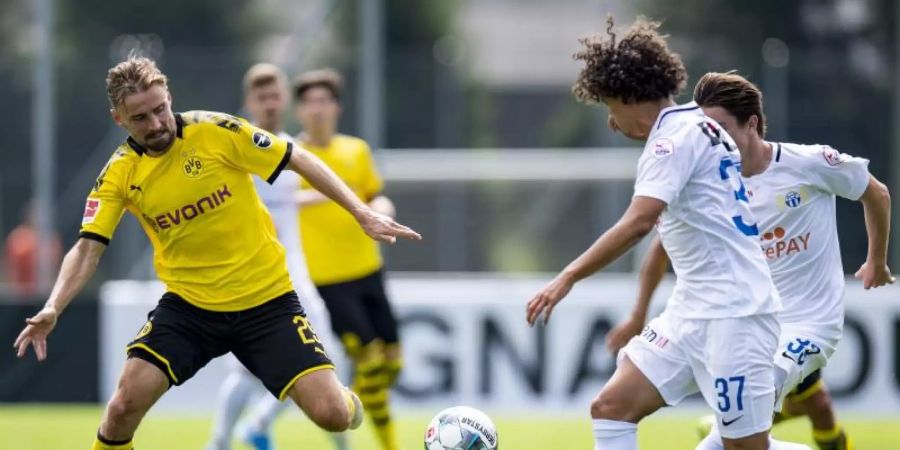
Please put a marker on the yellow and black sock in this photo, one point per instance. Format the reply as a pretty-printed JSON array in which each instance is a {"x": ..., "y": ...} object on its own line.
[
  {"x": 371, "y": 384},
  {"x": 833, "y": 439},
  {"x": 392, "y": 369},
  {"x": 101, "y": 443}
]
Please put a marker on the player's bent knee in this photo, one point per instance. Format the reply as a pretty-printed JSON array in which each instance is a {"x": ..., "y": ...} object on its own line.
[
  {"x": 612, "y": 405},
  {"x": 330, "y": 414}
]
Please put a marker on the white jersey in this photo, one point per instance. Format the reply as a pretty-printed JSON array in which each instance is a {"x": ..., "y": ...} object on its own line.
[
  {"x": 279, "y": 200},
  {"x": 707, "y": 229},
  {"x": 794, "y": 202}
]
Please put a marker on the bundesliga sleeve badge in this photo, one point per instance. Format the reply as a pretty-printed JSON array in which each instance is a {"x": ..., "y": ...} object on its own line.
[{"x": 91, "y": 207}]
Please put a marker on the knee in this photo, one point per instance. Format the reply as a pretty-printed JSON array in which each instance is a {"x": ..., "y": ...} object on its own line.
[
  {"x": 121, "y": 409},
  {"x": 331, "y": 414},
  {"x": 612, "y": 405}
]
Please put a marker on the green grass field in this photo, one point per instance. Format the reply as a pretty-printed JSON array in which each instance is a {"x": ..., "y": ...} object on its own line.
[{"x": 55, "y": 427}]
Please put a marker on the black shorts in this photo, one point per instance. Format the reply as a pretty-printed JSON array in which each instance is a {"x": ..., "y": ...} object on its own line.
[
  {"x": 360, "y": 311},
  {"x": 804, "y": 388},
  {"x": 274, "y": 341}
]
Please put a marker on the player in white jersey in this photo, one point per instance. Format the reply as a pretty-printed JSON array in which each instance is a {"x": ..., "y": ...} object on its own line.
[
  {"x": 719, "y": 331},
  {"x": 266, "y": 98},
  {"x": 792, "y": 190}
]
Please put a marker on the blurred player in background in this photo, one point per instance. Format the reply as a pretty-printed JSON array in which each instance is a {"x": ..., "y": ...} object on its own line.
[
  {"x": 345, "y": 264},
  {"x": 792, "y": 190},
  {"x": 266, "y": 98},
  {"x": 719, "y": 331},
  {"x": 187, "y": 179}
]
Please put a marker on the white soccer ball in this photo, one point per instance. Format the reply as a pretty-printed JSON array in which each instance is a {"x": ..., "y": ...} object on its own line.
[{"x": 461, "y": 428}]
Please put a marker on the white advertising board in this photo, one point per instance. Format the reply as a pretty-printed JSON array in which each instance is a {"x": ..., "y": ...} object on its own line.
[{"x": 466, "y": 342}]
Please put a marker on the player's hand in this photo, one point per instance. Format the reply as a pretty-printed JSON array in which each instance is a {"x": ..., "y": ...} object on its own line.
[
  {"x": 874, "y": 275},
  {"x": 623, "y": 332},
  {"x": 546, "y": 299},
  {"x": 382, "y": 228},
  {"x": 35, "y": 333}
]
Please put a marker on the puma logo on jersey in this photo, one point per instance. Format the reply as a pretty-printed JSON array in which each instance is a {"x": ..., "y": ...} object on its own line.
[
  {"x": 191, "y": 211},
  {"x": 775, "y": 245}
]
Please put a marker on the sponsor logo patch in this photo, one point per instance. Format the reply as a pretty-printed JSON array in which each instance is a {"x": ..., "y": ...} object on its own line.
[
  {"x": 662, "y": 147},
  {"x": 262, "y": 140},
  {"x": 91, "y": 208},
  {"x": 832, "y": 156}
]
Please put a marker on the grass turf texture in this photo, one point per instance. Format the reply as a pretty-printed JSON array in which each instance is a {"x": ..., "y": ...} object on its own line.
[{"x": 60, "y": 427}]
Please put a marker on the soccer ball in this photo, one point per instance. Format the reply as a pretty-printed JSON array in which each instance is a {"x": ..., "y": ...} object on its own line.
[{"x": 461, "y": 428}]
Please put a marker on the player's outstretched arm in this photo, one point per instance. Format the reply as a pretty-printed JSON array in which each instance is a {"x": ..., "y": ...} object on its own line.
[
  {"x": 876, "y": 202},
  {"x": 653, "y": 269},
  {"x": 638, "y": 220},
  {"x": 77, "y": 268},
  {"x": 321, "y": 177}
]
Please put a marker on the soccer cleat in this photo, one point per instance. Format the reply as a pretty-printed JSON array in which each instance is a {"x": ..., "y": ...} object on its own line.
[
  {"x": 258, "y": 440},
  {"x": 357, "y": 407},
  {"x": 705, "y": 425}
]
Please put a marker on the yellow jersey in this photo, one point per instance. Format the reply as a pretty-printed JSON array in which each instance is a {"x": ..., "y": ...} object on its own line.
[
  {"x": 336, "y": 247},
  {"x": 214, "y": 243}
]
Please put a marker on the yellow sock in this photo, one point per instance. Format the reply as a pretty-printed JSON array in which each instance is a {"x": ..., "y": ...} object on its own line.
[
  {"x": 370, "y": 384},
  {"x": 833, "y": 439},
  {"x": 100, "y": 443}
]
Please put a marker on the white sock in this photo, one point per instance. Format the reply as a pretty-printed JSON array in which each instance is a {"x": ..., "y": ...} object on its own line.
[
  {"x": 712, "y": 441},
  {"x": 340, "y": 441},
  {"x": 233, "y": 395},
  {"x": 614, "y": 435},
  {"x": 775, "y": 444},
  {"x": 265, "y": 412}
]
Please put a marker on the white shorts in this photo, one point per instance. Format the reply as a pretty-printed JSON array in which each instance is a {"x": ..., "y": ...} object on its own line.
[
  {"x": 801, "y": 351},
  {"x": 729, "y": 361}
]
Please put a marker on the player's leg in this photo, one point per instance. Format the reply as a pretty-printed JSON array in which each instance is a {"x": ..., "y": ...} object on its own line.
[
  {"x": 177, "y": 340},
  {"x": 627, "y": 398},
  {"x": 651, "y": 372},
  {"x": 257, "y": 428},
  {"x": 276, "y": 342},
  {"x": 352, "y": 322},
  {"x": 234, "y": 394},
  {"x": 384, "y": 323},
  {"x": 811, "y": 398},
  {"x": 736, "y": 375},
  {"x": 140, "y": 386}
]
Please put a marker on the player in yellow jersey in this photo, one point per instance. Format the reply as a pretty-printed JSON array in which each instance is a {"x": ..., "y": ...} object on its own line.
[
  {"x": 187, "y": 178},
  {"x": 345, "y": 266}
]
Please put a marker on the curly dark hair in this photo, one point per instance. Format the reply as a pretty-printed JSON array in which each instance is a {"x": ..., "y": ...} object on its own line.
[{"x": 638, "y": 67}]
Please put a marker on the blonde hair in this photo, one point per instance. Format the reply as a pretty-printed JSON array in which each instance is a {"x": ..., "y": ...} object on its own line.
[
  {"x": 262, "y": 74},
  {"x": 135, "y": 74}
]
